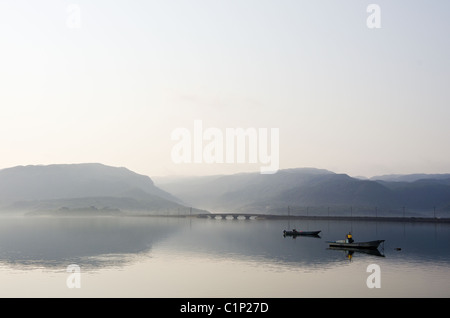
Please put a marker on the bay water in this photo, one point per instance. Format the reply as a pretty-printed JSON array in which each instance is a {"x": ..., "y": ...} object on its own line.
[{"x": 168, "y": 257}]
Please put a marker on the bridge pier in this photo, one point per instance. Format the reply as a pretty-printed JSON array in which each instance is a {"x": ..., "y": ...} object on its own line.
[{"x": 223, "y": 216}]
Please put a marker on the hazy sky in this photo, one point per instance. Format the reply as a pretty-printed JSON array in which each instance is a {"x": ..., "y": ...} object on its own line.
[{"x": 109, "y": 81}]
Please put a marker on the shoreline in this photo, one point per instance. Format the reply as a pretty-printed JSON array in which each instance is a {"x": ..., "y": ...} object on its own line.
[
  {"x": 361, "y": 218},
  {"x": 255, "y": 216}
]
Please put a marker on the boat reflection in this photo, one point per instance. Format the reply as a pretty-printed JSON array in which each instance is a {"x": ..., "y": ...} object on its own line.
[{"x": 349, "y": 252}]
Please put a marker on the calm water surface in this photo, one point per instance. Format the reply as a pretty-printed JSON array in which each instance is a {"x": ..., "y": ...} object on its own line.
[{"x": 184, "y": 257}]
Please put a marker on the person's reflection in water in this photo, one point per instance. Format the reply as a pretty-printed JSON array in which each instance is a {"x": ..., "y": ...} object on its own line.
[{"x": 349, "y": 255}]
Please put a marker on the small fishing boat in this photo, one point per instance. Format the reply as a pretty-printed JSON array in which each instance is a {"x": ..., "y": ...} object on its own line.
[
  {"x": 300, "y": 233},
  {"x": 359, "y": 245}
]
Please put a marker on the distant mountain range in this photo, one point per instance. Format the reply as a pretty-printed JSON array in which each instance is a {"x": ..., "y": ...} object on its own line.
[
  {"x": 96, "y": 189},
  {"x": 86, "y": 189},
  {"x": 309, "y": 190},
  {"x": 411, "y": 177}
]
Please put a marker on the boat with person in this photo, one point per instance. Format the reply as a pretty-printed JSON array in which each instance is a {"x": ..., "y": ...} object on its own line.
[{"x": 350, "y": 243}]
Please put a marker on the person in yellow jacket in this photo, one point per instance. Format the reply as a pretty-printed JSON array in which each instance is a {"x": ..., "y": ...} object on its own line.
[{"x": 350, "y": 238}]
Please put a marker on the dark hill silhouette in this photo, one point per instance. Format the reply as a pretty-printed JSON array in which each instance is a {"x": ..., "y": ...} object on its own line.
[
  {"x": 75, "y": 187},
  {"x": 96, "y": 189},
  {"x": 309, "y": 188}
]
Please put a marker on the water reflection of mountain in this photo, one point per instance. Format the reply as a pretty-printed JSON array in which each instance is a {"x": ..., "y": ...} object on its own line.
[
  {"x": 262, "y": 241},
  {"x": 115, "y": 241},
  {"x": 89, "y": 242}
]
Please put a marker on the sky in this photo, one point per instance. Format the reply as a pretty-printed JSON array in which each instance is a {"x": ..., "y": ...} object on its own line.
[{"x": 351, "y": 90}]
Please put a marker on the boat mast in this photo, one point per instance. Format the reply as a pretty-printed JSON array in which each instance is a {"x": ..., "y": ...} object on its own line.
[{"x": 289, "y": 218}]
